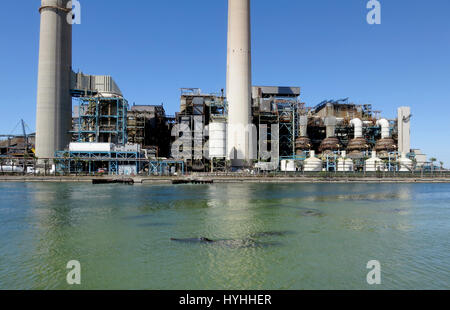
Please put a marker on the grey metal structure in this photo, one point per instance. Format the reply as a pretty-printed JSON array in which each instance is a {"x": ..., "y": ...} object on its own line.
[
  {"x": 83, "y": 84},
  {"x": 275, "y": 91},
  {"x": 404, "y": 129},
  {"x": 54, "y": 102}
]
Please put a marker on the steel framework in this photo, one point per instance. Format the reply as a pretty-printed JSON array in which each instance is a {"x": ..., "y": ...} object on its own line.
[
  {"x": 101, "y": 119},
  {"x": 286, "y": 113},
  {"x": 163, "y": 167},
  {"x": 90, "y": 162}
]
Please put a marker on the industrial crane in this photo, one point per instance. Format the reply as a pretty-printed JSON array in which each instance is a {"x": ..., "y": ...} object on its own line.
[{"x": 25, "y": 137}]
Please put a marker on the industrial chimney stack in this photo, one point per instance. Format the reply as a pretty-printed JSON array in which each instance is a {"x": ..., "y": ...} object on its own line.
[
  {"x": 239, "y": 81},
  {"x": 54, "y": 102}
]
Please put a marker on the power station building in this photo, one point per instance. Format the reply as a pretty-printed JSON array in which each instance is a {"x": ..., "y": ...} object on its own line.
[{"x": 245, "y": 127}]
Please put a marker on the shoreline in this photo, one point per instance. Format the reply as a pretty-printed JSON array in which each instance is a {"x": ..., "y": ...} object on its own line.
[{"x": 228, "y": 179}]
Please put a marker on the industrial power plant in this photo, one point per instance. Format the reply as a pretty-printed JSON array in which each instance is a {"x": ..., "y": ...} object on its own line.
[{"x": 85, "y": 125}]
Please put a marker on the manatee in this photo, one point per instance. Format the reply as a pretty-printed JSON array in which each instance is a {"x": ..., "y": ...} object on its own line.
[
  {"x": 305, "y": 211},
  {"x": 271, "y": 234},
  {"x": 239, "y": 243},
  {"x": 311, "y": 212},
  {"x": 154, "y": 224},
  {"x": 399, "y": 211},
  {"x": 193, "y": 240},
  {"x": 247, "y": 243},
  {"x": 136, "y": 217}
]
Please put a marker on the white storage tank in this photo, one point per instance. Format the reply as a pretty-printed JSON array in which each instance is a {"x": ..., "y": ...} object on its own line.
[
  {"x": 127, "y": 170},
  {"x": 90, "y": 147},
  {"x": 287, "y": 165},
  {"x": 266, "y": 166},
  {"x": 344, "y": 164},
  {"x": 406, "y": 164},
  {"x": 374, "y": 163},
  {"x": 10, "y": 168},
  {"x": 127, "y": 148},
  {"x": 217, "y": 140},
  {"x": 312, "y": 163}
]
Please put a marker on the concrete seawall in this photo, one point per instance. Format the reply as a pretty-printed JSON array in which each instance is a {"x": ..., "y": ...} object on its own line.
[{"x": 229, "y": 179}]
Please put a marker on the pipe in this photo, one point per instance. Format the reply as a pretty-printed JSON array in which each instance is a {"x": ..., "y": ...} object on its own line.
[
  {"x": 385, "y": 128},
  {"x": 358, "y": 124},
  {"x": 303, "y": 126},
  {"x": 404, "y": 129},
  {"x": 330, "y": 123}
]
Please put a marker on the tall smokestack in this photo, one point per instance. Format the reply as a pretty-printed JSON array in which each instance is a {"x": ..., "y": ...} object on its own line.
[
  {"x": 239, "y": 81},
  {"x": 54, "y": 102}
]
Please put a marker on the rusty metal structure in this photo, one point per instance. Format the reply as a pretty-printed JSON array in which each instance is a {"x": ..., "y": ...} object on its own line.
[{"x": 148, "y": 126}]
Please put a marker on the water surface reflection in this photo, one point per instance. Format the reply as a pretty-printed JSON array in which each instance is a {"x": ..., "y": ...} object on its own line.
[{"x": 264, "y": 236}]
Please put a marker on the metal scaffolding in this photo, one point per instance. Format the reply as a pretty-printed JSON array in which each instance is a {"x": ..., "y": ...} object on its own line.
[
  {"x": 100, "y": 119},
  {"x": 97, "y": 162},
  {"x": 285, "y": 112},
  {"x": 166, "y": 167}
]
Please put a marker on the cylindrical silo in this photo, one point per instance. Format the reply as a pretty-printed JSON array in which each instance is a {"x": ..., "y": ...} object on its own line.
[
  {"x": 345, "y": 164},
  {"x": 217, "y": 140},
  {"x": 239, "y": 81},
  {"x": 312, "y": 163},
  {"x": 54, "y": 102}
]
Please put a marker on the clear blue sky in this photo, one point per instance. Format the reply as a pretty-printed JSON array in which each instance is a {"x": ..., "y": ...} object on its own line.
[{"x": 153, "y": 48}]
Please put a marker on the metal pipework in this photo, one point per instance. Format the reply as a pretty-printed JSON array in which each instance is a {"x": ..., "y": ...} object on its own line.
[
  {"x": 303, "y": 123},
  {"x": 404, "y": 129},
  {"x": 54, "y": 102},
  {"x": 302, "y": 143},
  {"x": 358, "y": 143},
  {"x": 358, "y": 125},
  {"x": 385, "y": 128},
  {"x": 330, "y": 123},
  {"x": 386, "y": 144},
  {"x": 239, "y": 80}
]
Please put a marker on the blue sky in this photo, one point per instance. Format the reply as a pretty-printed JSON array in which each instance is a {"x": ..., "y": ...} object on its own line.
[{"x": 153, "y": 48}]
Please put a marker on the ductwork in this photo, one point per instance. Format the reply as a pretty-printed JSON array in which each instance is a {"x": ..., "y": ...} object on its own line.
[
  {"x": 331, "y": 143},
  {"x": 358, "y": 125},
  {"x": 404, "y": 129},
  {"x": 358, "y": 143},
  {"x": 385, "y": 128},
  {"x": 302, "y": 143},
  {"x": 303, "y": 126},
  {"x": 330, "y": 123}
]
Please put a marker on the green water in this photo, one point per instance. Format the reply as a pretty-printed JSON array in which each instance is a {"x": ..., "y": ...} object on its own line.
[{"x": 322, "y": 236}]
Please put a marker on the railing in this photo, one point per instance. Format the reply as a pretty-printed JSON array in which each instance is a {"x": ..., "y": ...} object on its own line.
[{"x": 43, "y": 167}]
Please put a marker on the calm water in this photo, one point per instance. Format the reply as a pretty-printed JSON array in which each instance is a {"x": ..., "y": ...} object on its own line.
[{"x": 272, "y": 236}]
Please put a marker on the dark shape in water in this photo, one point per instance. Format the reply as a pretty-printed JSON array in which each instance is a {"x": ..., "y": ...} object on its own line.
[
  {"x": 272, "y": 234},
  {"x": 136, "y": 217},
  {"x": 154, "y": 224},
  {"x": 397, "y": 211},
  {"x": 306, "y": 211},
  {"x": 311, "y": 212},
  {"x": 193, "y": 240},
  {"x": 244, "y": 243}
]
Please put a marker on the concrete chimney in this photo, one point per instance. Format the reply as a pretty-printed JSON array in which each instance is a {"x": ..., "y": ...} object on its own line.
[
  {"x": 54, "y": 102},
  {"x": 239, "y": 82},
  {"x": 404, "y": 129}
]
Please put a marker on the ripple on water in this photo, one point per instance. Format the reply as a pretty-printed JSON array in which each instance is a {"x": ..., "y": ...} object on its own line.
[{"x": 265, "y": 240}]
